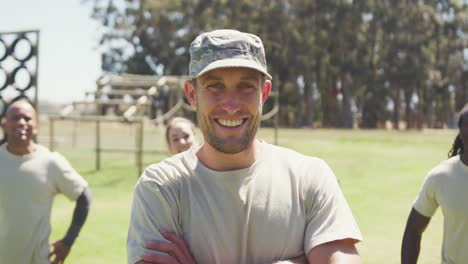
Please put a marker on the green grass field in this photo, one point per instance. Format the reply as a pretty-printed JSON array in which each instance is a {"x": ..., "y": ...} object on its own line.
[{"x": 380, "y": 173}]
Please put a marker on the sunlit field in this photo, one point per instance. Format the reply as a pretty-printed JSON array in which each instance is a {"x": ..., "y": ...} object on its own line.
[{"x": 380, "y": 173}]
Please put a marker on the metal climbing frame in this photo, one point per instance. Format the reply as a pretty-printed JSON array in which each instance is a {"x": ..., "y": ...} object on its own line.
[{"x": 19, "y": 66}]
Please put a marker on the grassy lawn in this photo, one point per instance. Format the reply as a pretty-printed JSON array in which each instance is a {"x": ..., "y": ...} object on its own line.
[{"x": 380, "y": 173}]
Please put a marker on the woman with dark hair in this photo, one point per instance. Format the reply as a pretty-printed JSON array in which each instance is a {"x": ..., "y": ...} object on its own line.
[{"x": 445, "y": 186}]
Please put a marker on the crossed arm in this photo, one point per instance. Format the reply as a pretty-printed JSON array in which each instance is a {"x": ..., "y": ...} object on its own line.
[{"x": 335, "y": 252}]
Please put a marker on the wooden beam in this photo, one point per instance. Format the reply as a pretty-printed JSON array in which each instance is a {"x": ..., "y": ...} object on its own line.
[
  {"x": 120, "y": 92},
  {"x": 110, "y": 102}
]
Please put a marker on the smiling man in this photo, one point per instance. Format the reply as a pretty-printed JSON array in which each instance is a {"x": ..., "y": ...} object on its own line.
[
  {"x": 236, "y": 199},
  {"x": 30, "y": 177}
]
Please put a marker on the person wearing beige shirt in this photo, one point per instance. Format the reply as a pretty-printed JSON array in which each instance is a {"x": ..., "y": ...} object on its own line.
[
  {"x": 30, "y": 177},
  {"x": 237, "y": 199},
  {"x": 445, "y": 186}
]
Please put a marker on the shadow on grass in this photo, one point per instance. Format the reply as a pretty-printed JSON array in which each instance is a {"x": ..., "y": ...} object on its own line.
[
  {"x": 89, "y": 172},
  {"x": 111, "y": 176}
]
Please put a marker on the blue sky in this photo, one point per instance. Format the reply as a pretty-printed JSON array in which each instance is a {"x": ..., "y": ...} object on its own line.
[{"x": 69, "y": 62}]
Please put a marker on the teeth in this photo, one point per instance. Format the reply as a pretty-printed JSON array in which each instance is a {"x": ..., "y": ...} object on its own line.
[{"x": 230, "y": 123}]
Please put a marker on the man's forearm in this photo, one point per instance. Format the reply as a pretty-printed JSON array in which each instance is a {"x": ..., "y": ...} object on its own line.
[
  {"x": 299, "y": 260},
  {"x": 411, "y": 243},
  {"x": 80, "y": 214},
  {"x": 410, "y": 247}
]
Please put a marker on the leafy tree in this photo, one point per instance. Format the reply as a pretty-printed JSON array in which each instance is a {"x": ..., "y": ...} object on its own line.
[{"x": 334, "y": 62}]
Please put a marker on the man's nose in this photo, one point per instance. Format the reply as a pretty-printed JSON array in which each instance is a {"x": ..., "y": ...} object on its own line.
[
  {"x": 22, "y": 121},
  {"x": 231, "y": 103}
]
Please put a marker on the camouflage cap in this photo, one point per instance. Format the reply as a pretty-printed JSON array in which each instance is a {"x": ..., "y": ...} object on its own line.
[{"x": 226, "y": 48}]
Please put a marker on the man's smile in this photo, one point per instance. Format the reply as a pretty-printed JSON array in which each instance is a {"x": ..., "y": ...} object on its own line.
[{"x": 231, "y": 123}]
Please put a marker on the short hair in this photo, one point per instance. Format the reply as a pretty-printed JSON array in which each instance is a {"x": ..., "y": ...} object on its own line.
[
  {"x": 14, "y": 100},
  {"x": 7, "y": 107}
]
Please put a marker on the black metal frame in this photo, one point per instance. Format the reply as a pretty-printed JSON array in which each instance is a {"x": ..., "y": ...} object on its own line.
[{"x": 9, "y": 41}]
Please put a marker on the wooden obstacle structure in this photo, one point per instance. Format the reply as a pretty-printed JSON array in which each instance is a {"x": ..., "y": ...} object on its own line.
[
  {"x": 136, "y": 98},
  {"x": 134, "y": 95}
]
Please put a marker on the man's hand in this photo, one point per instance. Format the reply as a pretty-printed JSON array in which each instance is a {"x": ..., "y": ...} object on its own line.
[
  {"x": 59, "y": 252},
  {"x": 178, "y": 252}
]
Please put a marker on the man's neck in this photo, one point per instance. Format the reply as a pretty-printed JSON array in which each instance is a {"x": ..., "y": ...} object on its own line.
[
  {"x": 220, "y": 161},
  {"x": 21, "y": 150}
]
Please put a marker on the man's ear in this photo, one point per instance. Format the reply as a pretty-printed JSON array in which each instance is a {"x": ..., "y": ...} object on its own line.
[
  {"x": 266, "y": 90},
  {"x": 191, "y": 93}
]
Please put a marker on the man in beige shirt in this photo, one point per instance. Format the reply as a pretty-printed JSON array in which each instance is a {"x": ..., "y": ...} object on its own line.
[
  {"x": 30, "y": 176},
  {"x": 445, "y": 186},
  {"x": 236, "y": 199}
]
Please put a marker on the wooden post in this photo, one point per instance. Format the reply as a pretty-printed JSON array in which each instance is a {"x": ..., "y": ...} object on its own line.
[
  {"x": 51, "y": 134},
  {"x": 74, "y": 134},
  {"x": 139, "y": 147},
  {"x": 98, "y": 145}
]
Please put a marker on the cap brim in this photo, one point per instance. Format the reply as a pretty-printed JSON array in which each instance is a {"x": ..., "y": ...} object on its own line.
[{"x": 233, "y": 62}]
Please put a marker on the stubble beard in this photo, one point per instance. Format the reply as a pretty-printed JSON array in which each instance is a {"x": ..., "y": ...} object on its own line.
[
  {"x": 229, "y": 145},
  {"x": 21, "y": 135}
]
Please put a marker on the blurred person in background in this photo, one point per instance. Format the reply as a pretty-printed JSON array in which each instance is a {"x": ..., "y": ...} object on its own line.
[
  {"x": 180, "y": 135},
  {"x": 445, "y": 186}
]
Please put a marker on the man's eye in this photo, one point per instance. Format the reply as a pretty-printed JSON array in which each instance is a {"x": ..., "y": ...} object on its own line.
[
  {"x": 215, "y": 86},
  {"x": 247, "y": 87}
]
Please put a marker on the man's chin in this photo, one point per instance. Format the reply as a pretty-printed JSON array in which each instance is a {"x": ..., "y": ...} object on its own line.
[
  {"x": 20, "y": 141},
  {"x": 232, "y": 151},
  {"x": 230, "y": 146}
]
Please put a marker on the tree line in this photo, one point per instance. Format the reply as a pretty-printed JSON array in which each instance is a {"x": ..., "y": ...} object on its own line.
[{"x": 335, "y": 63}]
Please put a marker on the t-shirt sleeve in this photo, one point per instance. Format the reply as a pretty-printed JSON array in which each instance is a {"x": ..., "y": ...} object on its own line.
[
  {"x": 66, "y": 179},
  {"x": 426, "y": 201},
  {"x": 328, "y": 216},
  {"x": 153, "y": 208}
]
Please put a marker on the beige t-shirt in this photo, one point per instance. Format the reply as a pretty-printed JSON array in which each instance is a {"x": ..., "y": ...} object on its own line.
[
  {"x": 27, "y": 186},
  {"x": 447, "y": 186},
  {"x": 278, "y": 208}
]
